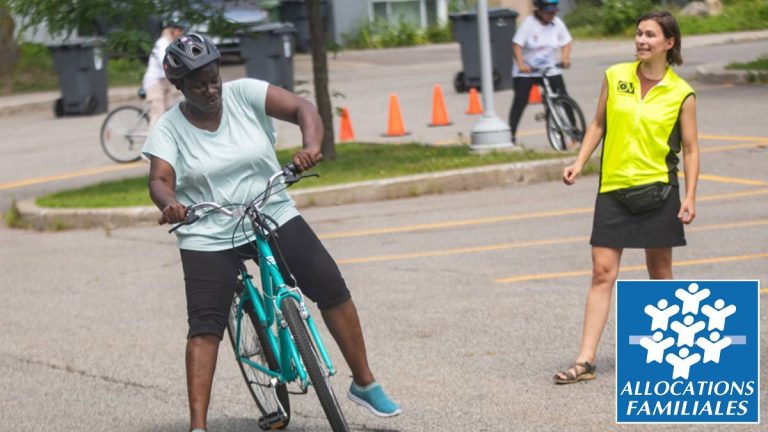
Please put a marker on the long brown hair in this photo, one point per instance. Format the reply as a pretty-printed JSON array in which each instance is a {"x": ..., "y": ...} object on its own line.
[{"x": 669, "y": 27}]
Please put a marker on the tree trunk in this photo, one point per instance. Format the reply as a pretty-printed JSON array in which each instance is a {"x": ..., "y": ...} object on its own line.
[
  {"x": 320, "y": 75},
  {"x": 8, "y": 49}
]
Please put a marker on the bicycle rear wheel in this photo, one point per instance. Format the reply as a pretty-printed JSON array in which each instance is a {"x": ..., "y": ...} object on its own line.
[
  {"x": 318, "y": 374},
  {"x": 123, "y": 133},
  {"x": 255, "y": 347},
  {"x": 570, "y": 132}
]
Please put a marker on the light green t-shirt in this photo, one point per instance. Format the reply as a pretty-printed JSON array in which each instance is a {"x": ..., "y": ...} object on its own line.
[{"x": 229, "y": 166}]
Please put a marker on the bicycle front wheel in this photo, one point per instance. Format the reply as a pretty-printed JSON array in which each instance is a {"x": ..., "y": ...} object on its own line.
[
  {"x": 565, "y": 124},
  {"x": 123, "y": 133},
  {"x": 254, "y": 346},
  {"x": 318, "y": 374}
]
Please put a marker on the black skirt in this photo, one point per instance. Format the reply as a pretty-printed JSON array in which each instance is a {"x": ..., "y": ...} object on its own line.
[{"x": 616, "y": 227}]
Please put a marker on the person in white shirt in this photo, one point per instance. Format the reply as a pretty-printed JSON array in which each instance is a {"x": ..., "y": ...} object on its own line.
[
  {"x": 159, "y": 91},
  {"x": 535, "y": 45}
]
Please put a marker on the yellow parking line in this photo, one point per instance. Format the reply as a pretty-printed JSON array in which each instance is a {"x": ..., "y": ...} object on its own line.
[
  {"x": 462, "y": 251},
  {"x": 733, "y": 147},
  {"x": 522, "y": 244},
  {"x": 732, "y": 138},
  {"x": 741, "y": 194},
  {"x": 65, "y": 176},
  {"x": 716, "y": 260},
  {"x": 453, "y": 224},
  {"x": 723, "y": 179},
  {"x": 513, "y": 217}
]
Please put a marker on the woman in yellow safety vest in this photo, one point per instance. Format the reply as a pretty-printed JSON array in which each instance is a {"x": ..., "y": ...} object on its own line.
[{"x": 646, "y": 114}]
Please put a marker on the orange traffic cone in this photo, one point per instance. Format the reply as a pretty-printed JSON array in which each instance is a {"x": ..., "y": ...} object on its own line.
[
  {"x": 534, "y": 96},
  {"x": 395, "y": 126},
  {"x": 345, "y": 130},
  {"x": 474, "y": 103},
  {"x": 439, "y": 114}
]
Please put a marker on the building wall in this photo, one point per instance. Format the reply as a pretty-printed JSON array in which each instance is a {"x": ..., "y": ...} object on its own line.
[{"x": 347, "y": 15}]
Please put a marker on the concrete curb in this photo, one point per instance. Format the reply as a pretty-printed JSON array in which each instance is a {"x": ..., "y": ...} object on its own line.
[
  {"x": 716, "y": 73},
  {"x": 513, "y": 174}
]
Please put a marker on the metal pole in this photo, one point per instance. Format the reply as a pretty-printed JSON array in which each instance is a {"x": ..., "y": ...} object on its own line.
[{"x": 490, "y": 132}]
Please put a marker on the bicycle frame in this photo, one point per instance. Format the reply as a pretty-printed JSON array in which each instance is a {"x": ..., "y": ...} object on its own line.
[{"x": 266, "y": 306}]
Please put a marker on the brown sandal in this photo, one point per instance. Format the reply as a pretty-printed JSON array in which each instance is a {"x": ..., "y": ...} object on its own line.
[{"x": 587, "y": 373}]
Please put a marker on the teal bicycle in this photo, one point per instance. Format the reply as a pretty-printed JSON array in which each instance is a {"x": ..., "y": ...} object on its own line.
[{"x": 274, "y": 337}]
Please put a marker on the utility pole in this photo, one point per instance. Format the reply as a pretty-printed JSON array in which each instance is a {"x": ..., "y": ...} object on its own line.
[{"x": 490, "y": 132}]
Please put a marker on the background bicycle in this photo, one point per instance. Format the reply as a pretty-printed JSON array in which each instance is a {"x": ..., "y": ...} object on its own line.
[
  {"x": 124, "y": 131},
  {"x": 272, "y": 332},
  {"x": 564, "y": 119}
]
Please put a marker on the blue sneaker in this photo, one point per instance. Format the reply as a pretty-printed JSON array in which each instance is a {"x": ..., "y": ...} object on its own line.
[{"x": 373, "y": 397}]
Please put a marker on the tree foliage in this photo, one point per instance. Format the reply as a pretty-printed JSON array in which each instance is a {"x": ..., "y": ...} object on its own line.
[{"x": 127, "y": 24}]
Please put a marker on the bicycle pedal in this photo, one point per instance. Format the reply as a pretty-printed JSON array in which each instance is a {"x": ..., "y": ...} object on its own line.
[
  {"x": 276, "y": 420},
  {"x": 540, "y": 116}
]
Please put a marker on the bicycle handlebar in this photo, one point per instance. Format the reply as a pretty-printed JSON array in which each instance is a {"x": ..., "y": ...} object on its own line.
[
  {"x": 543, "y": 70},
  {"x": 288, "y": 175}
]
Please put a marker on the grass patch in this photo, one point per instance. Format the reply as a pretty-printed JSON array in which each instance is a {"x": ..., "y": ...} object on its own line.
[
  {"x": 355, "y": 162},
  {"x": 35, "y": 70},
  {"x": 13, "y": 218},
  {"x": 761, "y": 64},
  {"x": 590, "y": 19}
]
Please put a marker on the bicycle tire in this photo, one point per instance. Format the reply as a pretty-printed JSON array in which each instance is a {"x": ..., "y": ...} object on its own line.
[
  {"x": 560, "y": 139},
  {"x": 314, "y": 366},
  {"x": 255, "y": 346},
  {"x": 123, "y": 133}
]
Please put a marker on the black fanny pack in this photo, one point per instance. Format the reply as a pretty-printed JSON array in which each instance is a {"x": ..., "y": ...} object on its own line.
[{"x": 643, "y": 198}]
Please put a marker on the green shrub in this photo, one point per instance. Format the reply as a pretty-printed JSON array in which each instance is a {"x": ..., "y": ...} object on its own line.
[
  {"x": 585, "y": 19},
  {"x": 381, "y": 34},
  {"x": 738, "y": 15},
  {"x": 619, "y": 15},
  {"x": 34, "y": 71}
]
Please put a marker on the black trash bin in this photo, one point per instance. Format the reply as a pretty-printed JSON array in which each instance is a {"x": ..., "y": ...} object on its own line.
[
  {"x": 82, "y": 70},
  {"x": 267, "y": 51},
  {"x": 501, "y": 26},
  {"x": 295, "y": 12}
]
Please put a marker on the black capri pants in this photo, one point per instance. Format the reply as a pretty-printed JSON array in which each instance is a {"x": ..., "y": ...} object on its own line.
[
  {"x": 211, "y": 277},
  {"x": 522, "y": 87}
]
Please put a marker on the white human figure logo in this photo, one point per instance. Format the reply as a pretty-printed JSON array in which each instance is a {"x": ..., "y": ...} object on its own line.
[
  {"x": 713, "y": 346},
  {"x": 660, "y": 315},
  {"x": 718, "y": 314},
  {"x": 656, "y": 347},
  {"x": 682, "y": 363},
  {"x": 691, "y": 298},
  {"x": 686, "y": 331}
]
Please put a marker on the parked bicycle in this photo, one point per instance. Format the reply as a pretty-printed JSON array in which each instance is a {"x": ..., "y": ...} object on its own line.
[
  {"x": 124, "y": 131},
  {"x": 272, "y": 332},
  {"x": 564, "y": 119}
]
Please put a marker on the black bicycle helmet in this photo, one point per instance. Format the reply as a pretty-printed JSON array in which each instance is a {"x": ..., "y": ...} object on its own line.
[
  {"x": 188, "y": 53},
  {"x": 546, "y": 5}
]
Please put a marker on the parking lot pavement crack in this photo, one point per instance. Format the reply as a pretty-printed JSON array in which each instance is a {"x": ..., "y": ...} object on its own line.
[{"x": 86, "y": 374}]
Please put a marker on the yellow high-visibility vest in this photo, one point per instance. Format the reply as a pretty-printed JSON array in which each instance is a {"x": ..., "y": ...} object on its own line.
[{"x": 642, "y": 135}]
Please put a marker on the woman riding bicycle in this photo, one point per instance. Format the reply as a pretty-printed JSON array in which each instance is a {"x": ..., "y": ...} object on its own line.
[
  {"x": 219, "y": 145},
  {"x": 535, "y": 45}
]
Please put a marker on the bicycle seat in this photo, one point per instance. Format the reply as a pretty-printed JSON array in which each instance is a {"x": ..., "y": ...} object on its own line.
[{"x": 142, "y": 94}]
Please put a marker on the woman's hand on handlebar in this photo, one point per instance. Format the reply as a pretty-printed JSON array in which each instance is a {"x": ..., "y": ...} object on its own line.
[
  {"x": 173, "y": 213},
  {"x": 305, "y": 159},
  {"x": 524, "y": 68}
]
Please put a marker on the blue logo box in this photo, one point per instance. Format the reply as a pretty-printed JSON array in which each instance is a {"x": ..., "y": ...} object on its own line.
[{"x": 687, "y": 351}]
